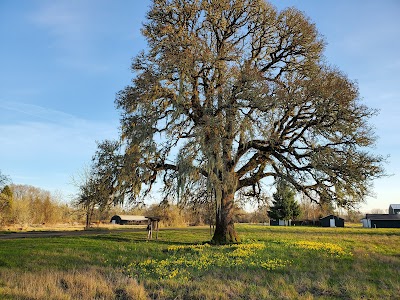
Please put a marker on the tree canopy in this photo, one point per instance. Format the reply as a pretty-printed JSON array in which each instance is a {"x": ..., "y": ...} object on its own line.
[{"x": 230, "y": 92}]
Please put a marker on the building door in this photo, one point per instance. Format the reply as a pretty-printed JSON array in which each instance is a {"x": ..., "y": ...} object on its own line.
[{"x": 332, "y": 223}]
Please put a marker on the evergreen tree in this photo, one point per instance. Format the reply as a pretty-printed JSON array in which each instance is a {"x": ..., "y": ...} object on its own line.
[{"x": 284, "y": 205}]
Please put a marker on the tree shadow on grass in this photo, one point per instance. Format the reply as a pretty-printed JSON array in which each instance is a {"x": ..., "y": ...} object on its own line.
[
  {"x": 109, "y": 238},
  {"x": 113, "y": 238}
]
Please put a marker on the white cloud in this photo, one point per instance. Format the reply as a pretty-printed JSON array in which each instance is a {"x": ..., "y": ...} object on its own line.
[
  {"x": 74, "y": 33},
  {"x": 68, "y": 25},
  {"x": 39, "y": 112},
  {"x": 45, "y": 147},
  {"x": 42, "y": 130}
]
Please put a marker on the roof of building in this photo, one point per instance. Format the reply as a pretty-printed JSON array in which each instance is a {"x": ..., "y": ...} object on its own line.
[
  {"x": 395, "y": 206},
  {"x": 331, "y": 217},
  {"x": 132, "y": 218},
  {"x": 382, "y": 217}
]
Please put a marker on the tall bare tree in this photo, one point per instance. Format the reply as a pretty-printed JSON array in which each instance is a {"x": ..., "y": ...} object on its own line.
[
  {"x": 232, "y": 92},
  {"x": 3, "y": 180},
  {"x": 98, "y": 185},
  {"x": 6, "y": 202}
]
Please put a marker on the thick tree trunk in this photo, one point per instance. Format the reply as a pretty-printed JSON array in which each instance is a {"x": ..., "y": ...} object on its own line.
[{"x": 224, "y": 227}]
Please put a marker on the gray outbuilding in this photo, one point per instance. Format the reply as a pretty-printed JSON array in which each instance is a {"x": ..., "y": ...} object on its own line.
[
  {"x": 381, "y": 221},
  {"x": 331, "y": 221},
  {"x": 394, "y": 209}
]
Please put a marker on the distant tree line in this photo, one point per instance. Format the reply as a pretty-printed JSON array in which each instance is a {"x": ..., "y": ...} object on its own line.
[{"x": 25, "y": 205}]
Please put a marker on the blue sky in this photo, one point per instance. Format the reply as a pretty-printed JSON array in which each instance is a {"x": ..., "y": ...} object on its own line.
[{"x": 62, "y": 62}]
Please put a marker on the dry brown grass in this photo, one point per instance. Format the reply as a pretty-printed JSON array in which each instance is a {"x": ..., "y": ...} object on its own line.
[
  {"x": 66, "y": 227},
  {"x": 89, "y": 284}
]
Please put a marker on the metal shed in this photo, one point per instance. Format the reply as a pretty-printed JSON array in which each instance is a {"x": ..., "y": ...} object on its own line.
[
  {"x": 394, "y": 209},
  {"x": 381, "y": 221},
  {"x": 331, "y": 221}
]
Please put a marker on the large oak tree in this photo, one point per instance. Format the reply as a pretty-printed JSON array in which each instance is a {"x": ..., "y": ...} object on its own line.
[{"x": 230, "y": 92}]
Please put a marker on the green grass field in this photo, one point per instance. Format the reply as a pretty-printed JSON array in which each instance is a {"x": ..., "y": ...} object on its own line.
[{"x": 271, "y": 263}]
